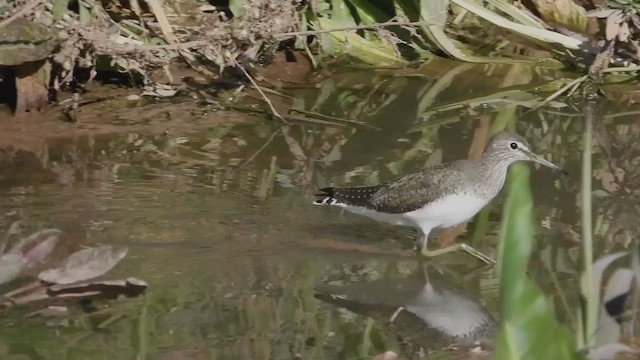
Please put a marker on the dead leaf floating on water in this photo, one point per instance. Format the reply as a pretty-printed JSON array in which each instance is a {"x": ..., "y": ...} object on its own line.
[
  {"x": 84, "y": 265},
  {"x": 11, "y": 266},
  {"x": 159, "y": 90},
  {"x": 37, "y": 247}
]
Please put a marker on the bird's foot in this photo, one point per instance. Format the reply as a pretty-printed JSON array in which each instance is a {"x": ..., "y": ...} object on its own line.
[{"x": 457, "y": 247}]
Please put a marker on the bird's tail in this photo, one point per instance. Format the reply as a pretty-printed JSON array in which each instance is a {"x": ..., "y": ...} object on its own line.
[
  {"x": 350, "y": 196},
  {"x": 327, "y": 195}
]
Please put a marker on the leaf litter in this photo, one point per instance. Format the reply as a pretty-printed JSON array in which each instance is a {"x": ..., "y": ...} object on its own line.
[
  {"x": 84, "y": 265},
  {"x": 72, "y": 280}
]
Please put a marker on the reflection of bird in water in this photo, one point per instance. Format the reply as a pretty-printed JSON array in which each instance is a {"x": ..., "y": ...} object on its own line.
[{"x": 428, "y": 310}]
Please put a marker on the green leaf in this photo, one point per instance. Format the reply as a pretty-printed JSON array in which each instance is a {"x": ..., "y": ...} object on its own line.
[
  {"x": 435, "y": 12},
  {"x": 368, "y": 13},
  {"x": 523, "y": 17},
  {"x": 543, "y": 35},
  {"x": 84, "y": 13},
  {"x": 341, "y": 15},
  {"x": 236, "y": 7},
  {"x": 529, "y": 329},
  {"x": 372, "y": 52},
  {"x": 59, "y": 8}
]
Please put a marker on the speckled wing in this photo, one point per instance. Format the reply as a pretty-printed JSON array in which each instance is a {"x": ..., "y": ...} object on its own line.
[
  {"x": 405, "y": 194},
  {"x": 412, "y": 192},
  {"x": 352, "y": 196}
]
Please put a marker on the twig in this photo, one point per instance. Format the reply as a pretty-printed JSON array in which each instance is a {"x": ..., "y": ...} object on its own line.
[
  {"x": 335, "y": 119},
  {"x": 357, "y": 27},
  {"x": 179, "y": 46},
  {"x": 269, "y": 140},
  {"x": 264, "y": 96},
  {"x": 28, "y": 7}
]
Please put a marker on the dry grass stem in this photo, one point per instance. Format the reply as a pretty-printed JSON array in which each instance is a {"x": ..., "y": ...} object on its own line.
[{"x": 264, "y": 96}]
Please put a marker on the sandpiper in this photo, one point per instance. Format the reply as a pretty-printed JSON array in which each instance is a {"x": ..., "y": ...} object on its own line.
[{"x": 439, "y": 196}]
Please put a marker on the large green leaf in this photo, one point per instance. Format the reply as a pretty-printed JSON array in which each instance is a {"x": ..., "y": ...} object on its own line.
[
  {"x": 236, "y": 7},
  {"x": 543, "y": 35},
  {"x": 529, "y": 329},
  {"x": 434, "y": 12},
  {"x": 523, "y": 17},
  {"x": 369, "y": 13},
  {"x": 373, "y": 52}
]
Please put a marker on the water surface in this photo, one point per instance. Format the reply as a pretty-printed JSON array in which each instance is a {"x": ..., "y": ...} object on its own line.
[{"x": 218, "y": 219}]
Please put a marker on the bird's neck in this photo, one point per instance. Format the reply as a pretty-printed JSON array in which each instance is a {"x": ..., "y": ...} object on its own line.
[{"x": 494, "y": 172}]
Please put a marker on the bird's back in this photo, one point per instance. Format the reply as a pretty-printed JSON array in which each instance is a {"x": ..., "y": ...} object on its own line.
[{"x": 407, "y": 193}]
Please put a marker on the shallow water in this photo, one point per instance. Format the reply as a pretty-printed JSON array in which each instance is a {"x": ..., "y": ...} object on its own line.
[{"x": 218, "y": 218}]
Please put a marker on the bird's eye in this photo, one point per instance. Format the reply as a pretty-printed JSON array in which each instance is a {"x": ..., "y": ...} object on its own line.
[{"x": 514, "y": 146}]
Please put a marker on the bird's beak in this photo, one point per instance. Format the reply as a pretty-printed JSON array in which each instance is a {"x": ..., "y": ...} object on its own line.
[{"x": 542, "y": 161}]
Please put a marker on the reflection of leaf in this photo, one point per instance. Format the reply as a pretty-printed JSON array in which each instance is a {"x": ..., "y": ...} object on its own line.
[
  {"x": 83, "y": 265},
  {"x": 11, "y": 265}
]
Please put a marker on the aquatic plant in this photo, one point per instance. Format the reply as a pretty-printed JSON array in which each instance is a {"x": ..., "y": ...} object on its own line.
[{"x": 529, "y": 329}]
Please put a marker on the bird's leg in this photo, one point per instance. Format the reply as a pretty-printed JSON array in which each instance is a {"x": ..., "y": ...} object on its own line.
[
  {"x": 421, "y": 241},
  {"x": 457, "y": 247}
]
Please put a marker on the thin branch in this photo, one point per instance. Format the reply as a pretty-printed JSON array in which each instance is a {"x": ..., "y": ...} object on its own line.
[
  {"x": 264, "y": 96},
  {"x": 264, "y": 146}
]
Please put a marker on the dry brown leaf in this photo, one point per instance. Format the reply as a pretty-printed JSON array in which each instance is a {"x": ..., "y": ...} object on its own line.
[
  {"x": 623, "y": 32},
  {"x": 613, "y": 24},
  {"x": 11, "y": 266},
  {"x": 84, "y": 265},
  {"x": 37, "y": 237},
  {"x": 37, "y": 246}
]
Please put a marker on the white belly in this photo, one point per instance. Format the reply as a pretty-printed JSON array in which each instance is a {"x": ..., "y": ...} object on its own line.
[
  {"x": 393, "y": 219},
  {"x": 447, "y": 212}
]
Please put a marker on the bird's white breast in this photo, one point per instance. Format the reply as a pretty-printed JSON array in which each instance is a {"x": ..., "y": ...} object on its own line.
[
  {"x": 448, "y": 211},
  {"x": 453, "y": 314}
]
